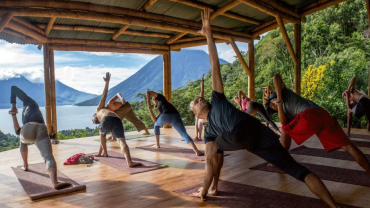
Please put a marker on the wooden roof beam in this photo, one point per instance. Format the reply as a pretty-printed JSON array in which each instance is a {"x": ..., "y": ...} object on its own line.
[
  {"x": 240, "y": 57},
  {"x": 175, "y": 38},
  {"x": 179, "y": 46},
  {"x": 12, "y": 32},
  {"x": 314, "y": 7},
  {"x": 120, "y": 31},
  {"x": 224, "y": 9},
  {"x": 26, "y": 31},
  {"x": 50, "y": 25},
  {"x": 83, "y": 6},
  {"x": 105, "y": 49},
  {"x": 5, "y": 20},
  {"x": 283, "y": 8},
  {"x": 148, "y": 4},
  {"x": 27, "y": 24},
  {"x": 271, "y": 11},
  {"x": 193, "y": 4},
  {"x": 116, "y": 19},
  {"x": 104, "y": 30},
  {"x": 241, "y": 18},
  {"x": 286, "y": 39},
  {"x": 190, "y": 39}
]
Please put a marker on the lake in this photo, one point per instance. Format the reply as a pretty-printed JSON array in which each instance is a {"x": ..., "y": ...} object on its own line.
[{"x": 69, "y": 117}]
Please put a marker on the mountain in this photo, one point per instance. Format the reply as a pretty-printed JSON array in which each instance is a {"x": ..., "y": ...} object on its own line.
[
  {"x": 64, "y": 95},
  {"x": 187, "y": 65}
]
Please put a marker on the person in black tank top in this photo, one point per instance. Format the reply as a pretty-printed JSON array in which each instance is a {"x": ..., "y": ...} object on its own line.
[
  {"x": 230, "y": 129},
  {"x": 168, "y": 115}
]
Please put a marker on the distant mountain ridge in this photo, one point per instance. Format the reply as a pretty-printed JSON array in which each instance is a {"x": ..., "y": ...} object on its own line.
[
  {"x": 65, "y": 95},
  {"x": 187, "y": 65}
]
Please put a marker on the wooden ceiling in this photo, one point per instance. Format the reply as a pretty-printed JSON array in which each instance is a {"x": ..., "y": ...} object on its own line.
[{"x": 144, "y": 26}]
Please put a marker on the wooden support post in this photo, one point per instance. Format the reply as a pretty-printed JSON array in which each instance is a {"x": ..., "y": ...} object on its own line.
[
  {"x": 53, "y": 95},
  {"x": 241, "y": 58},
  {"x": 50, "y": 25},
  {"x": 368, "y": 89},
  {"x": 297, "y": 67},
  {"x": 167, "y": 79},
  {"x": 5, "y": 20},
  {"x": 47, "y": 89},
  {"x": 286, "y": 38},
  {"x": 251, "y": 78}
]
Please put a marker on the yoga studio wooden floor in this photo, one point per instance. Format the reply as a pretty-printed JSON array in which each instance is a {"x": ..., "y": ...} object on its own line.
[{"x": 108, "y": 187}]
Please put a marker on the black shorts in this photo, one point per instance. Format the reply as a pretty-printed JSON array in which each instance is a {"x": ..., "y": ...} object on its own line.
[
  {"x": 113, "y": 125},
  {"x": 363, "y": 108},
  {"x": 276, "y": 154}
]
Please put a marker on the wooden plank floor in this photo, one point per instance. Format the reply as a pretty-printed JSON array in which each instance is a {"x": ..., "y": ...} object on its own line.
[{"x": 108, "y": 187}]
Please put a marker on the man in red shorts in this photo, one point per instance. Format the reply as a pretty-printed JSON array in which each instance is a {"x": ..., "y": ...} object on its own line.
[{"x": 302, "y": 118}]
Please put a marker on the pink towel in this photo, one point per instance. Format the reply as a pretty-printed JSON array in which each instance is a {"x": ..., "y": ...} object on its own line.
[{"x": 73, "y": 160}]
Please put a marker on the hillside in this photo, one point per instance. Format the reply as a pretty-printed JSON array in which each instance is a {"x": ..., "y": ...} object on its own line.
[
  {"x": 187, "y": 65},
  {"x": 64, "y": 95}
]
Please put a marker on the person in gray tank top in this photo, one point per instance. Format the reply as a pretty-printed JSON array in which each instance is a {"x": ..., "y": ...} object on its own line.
[{"x": 301, "y": 118}]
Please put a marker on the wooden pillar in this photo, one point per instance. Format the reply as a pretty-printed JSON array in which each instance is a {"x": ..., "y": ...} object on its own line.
[
  {"x": 167, "y": 79},
  {"x": 240, "y": 57},
  {"x": 47, "y": 89},
  {"x": 251, "y": 78},
  {"x": 368, "y": 16},
  {"x": 297, "y": 67},
  {"x": 53, "y": 95}
]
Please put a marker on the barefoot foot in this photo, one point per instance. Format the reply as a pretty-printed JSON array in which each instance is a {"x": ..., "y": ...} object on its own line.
[
  {"x": 133, "y": 164},
  {"x": 146, "y": 133},
  {"x": 212, "y": 192},
  {"x": 156, "y": 146},
  {"x": 101, "y": 155},
  {"x": 270, "y": 165},
  {"x": 199, "y": 153},
  {"x": 61, "y": 185},
  {"x": 24, "y": 168}
]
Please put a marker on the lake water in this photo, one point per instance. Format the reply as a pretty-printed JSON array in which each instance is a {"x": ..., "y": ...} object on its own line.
[{"x": 69, "y": 117}]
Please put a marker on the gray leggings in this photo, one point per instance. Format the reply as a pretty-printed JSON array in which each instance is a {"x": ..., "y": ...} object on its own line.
[{"x": 38, "y": 134}]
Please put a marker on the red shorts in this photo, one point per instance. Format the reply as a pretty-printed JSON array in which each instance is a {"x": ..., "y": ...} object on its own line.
[{"x": 319, "y": 122}]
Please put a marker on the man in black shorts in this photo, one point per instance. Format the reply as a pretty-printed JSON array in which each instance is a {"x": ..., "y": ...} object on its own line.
[
  {"x": 230, "y": 129},
  {"x": 110, "y": 122}
]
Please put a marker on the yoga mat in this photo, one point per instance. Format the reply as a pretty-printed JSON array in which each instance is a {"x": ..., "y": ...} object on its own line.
[
  {"x": 117, "y": 160},
  {"x": 341, "y": 155},
  {"x": 361, "y": 143},
  {"x": 327, "y": 173},
  {"x": 175, "y": 151},
  {"x": 134, "y": 136},
  {"x": 37, "y": 184},
  {"x": 361, "y": 136},
  {"x": 196, "y": 141},
  {"x": 239, "y": 195}
]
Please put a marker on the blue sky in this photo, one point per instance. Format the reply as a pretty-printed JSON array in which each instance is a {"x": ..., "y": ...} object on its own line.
[{"x": 83, "y": 70}]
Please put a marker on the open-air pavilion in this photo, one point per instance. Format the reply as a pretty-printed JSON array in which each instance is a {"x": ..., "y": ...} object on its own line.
[{"x": 154, "y": 27}]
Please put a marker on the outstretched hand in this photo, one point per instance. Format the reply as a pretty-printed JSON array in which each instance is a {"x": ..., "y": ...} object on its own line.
[
  {"x": 107, "y": 77},
  {"x": 205, "y": 22}
]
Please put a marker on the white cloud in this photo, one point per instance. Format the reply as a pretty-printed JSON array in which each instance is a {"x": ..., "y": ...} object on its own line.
[
  {"x": 90, "y": 78},
  {"x": 33, "y": 73}
]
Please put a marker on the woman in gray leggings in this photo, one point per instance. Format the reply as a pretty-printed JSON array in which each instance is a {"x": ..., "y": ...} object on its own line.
[{"x": 34, "y": 131}]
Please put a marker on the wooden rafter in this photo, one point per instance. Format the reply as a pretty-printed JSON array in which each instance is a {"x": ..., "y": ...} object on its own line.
[
  {"x": 179, "y": 46},
  {"x": 314, "y": 7},
  {"x": 148, "y": 4},
  {"x": 12, "y": 32},
  {"x": 26, "y": 31},
  {"x": 190, "y": 39},
  {"x": 240, "y": 57},
  {"x": 50, "y": 25},
  {"x": 271, "y": 11},
  {"x": 241, "y": 18},
  {"x": 120, "y": 31},
  {"x": 105, "y": 30},
  {"x": 28, "y": 25},
  {"x": 193, "y": 4},
  {"x": 279, "y": 6},
  {"x": 224, "y": 9},
  {"x": 105, "y": 49},
  {"x": 286, "y": 39},
  {"x": 175, "y": 38},
  {"x": 5, "y": 20},
  {"x": 88, "y": 7},
  {"x": 116, "y": 19}
]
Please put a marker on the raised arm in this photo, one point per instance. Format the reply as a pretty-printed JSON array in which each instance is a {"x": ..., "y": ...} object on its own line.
[
  {"x": 202, "y": 87},
  {"x": 279, "y": 85},
  {"x": 150, "y": 106},
  {"x": 17, "y": 128},
  {"x": 352, "y": 84},
  {"x": 213, "y": 57},
  {"x": 105, "y": 92}
]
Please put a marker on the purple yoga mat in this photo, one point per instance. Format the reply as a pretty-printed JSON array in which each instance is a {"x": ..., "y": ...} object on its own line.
[
  {"x": 175, "y": 151},
  {"x": 361, "y": 143},
  {"x": 37, "y": 184},
  {"x": 361, "y": 136},
  {"x": 118, "y": 161},
  {"x": 239, "y": 195},
  {"x": 327, "y": 173},
  {"x": 341, "y": 155}
]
